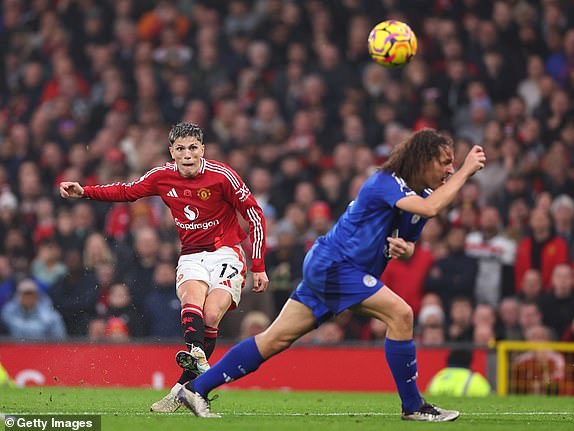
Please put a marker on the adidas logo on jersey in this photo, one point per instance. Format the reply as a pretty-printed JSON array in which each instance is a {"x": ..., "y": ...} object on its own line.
[{"x": 172, "y": 193}]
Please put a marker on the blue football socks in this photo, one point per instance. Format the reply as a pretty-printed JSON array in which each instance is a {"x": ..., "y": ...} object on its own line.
[
  {"x": 402, "y": 360},
  {"x": 239, "y": 361}
]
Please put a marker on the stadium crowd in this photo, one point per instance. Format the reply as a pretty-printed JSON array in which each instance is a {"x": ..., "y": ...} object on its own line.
[{"x": 288, "y": 96}]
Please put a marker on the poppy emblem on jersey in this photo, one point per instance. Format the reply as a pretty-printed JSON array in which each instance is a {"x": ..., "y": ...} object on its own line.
[
  {"x": 415, "y": 219},
  {"x": 204, "y": 194},
  {"x": 187, "y": 193},
  {"x": 191, "y": 213},
  {"x": 369, "y": 280}
]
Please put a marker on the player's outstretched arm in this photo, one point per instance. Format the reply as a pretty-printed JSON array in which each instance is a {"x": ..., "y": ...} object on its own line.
[
  {"x": 445, "y": 194},
  {"x": 260, "y": 282},
  {"x": 71, "y": 189}
]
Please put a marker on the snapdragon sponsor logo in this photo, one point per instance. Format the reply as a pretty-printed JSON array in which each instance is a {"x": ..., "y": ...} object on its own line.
[{"x": 196, "y": 226}]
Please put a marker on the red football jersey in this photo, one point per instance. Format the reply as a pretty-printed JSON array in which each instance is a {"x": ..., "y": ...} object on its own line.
[{"x": 203, "y": 207}]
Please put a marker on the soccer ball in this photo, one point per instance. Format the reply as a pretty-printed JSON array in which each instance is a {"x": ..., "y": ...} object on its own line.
[{"x": 392, "y": 43}]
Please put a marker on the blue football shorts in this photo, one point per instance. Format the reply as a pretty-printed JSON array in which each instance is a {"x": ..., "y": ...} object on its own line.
[{"x": 330, "y": 287}]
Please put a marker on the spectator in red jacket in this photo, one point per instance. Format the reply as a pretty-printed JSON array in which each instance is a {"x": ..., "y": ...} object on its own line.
[
  {"x": 408, "y": 276},
  {"x": 541, "y": 250}
]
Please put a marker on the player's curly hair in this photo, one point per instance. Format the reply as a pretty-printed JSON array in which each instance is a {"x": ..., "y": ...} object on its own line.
[
  {"x": 409, "y": 158},
  {"x": 183, "y": 130}
]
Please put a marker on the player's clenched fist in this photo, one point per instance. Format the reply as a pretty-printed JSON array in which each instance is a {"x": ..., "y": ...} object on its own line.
[
  {"x": 475, "y": 160},
  {"x": 70, "y": 189}
]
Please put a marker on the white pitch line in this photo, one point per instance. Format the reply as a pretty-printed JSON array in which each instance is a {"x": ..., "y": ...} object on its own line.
[
  {"x": 284, "y": 414},
  {"x": 395, "y": 414}
]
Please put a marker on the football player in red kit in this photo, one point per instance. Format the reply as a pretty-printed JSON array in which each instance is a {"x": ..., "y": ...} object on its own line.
[{"x": 203, "y": 197}]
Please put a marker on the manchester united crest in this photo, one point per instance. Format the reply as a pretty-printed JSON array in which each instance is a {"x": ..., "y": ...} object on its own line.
[{"x": 204, "y": 194}]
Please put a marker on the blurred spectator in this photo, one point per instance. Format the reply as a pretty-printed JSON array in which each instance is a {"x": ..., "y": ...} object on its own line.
[
  {"x": 30, "y": 316},
  {"x": 430, "y": 329},
  {"x": 541, "y": 250},
  {"x": 122, "y": 321},
  {"x": 557, "y": 305},
  {"x": 431, "y": 314},
  {"x": 175, "y": 99},
  {"x": 431, "y": 335},
  {"x": 508, "y": 316},
  {"x": 495, "y": 254},
  {"x": 165, "y": 14},
  {"x": 431, "y": 298},
  {"x": 460, "y": 314},
  {"x": 332, "y": 191},
  {"x": 351, "y": 324},
  {"x": 47, "y": 268},
  {"x": 538, "y": 371},
  {"x": 76, "y": 294},
  {"x": 493, "y": 176},
  {"x": 555, "y": 166},
  {"x": 17, "y": 249},
  {"x": 531, "y": 289},
  {"x": 116, "y": 329},
  {"x": 470, "y": 120},
  {"x": 268, "y": 123},
  {"x": 484, "y": 325},
  {"x": 162, "y": 309},
  {"x": 328, "y": 333},
  {"x": 305, "y": 196},
  {"x": 529, "y": 87},
  {"x": 515, "y": 187},
  {"x": 431, "y": 237},
  {"x": 529, "y": 316},
  {"x": 568, "y": 334},
  {"x": 562, "y": 211},
  {"x": 260, "y": 183},
  {"x": 8, "y": 211},
  {"x": 375, "y": 331},
  {"x": 284, "y": 264},
  {"x": 96, "y": 251},
  {"x": 320, "y": 221},
  {"x": 139, "y": 272},
  {"x": 457, "y": 379},
  {"x": 7, "y": 281},
  {"x": 483, "y": 335},
  {"x": 557, "y": 63},
  {"x": 284, "y": 182},
  {"x": 408, "y": 276},
  {"x": 45, "y": 220},
  {"x": 453, "y": 275},
  {"x": 97, "y": 330},
  {"x": 84, "y": 220},
  {"x": 484, "y": 314},
  {"x": 253, "y": 323}
]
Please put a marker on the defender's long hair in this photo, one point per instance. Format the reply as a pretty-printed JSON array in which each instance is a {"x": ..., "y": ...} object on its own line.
[{"x": 409, "y": 158}]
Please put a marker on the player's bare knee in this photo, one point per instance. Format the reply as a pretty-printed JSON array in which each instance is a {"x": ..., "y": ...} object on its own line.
[
  {"x": 403, "y": 318},
  {"x": 212, "y": 317}
]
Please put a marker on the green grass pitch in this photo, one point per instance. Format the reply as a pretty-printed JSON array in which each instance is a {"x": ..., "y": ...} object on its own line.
[{"x": 127, "y": 409}]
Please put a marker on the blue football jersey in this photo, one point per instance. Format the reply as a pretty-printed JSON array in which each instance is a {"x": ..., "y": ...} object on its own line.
[{"x": 360, "y": 234}]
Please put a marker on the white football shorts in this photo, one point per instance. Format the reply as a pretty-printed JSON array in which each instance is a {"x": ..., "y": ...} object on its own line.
[{"x": 224, "y": 268}]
